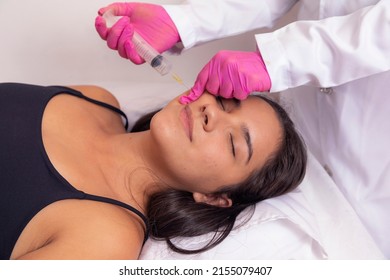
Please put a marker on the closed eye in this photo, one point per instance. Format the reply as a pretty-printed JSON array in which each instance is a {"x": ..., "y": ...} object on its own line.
[
  {"x": 232, "y": 144},
  {"x": 236, "y": 103}
]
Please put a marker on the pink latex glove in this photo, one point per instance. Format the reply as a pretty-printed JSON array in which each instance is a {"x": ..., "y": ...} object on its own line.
[
  {"x": 231, "y": 74},
  {"x": 150, "y": 21}
]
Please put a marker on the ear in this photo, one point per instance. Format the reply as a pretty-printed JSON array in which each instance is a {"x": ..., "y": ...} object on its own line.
[{"x": 221, "y": 200}]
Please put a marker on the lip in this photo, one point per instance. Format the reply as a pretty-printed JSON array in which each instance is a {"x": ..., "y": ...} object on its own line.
[{"x": 187, "y": 121}]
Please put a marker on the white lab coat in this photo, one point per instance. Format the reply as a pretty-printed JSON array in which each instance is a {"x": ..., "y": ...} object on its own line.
[{"x": 333, "y": 65}]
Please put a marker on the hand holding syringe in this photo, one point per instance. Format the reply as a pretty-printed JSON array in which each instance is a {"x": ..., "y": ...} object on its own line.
[{"x": 146, "y": 51}]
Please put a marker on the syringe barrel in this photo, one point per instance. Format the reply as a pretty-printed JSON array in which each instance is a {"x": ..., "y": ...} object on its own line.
[{"x": 150, "y": 55}]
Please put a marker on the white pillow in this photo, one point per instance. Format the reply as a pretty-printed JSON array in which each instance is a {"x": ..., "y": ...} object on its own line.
[{"x": 312, "y": 222}]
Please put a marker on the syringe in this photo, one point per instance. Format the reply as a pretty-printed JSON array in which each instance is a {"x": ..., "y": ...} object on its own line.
[
  {"x": 146, "y": 51},
  {"x": 150, "y": 55}
]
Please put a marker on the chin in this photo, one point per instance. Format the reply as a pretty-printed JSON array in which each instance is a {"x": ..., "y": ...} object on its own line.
[{"x": 165, "y": 133}]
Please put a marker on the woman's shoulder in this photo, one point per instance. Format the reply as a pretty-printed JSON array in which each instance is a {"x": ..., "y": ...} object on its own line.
[
  {"x": 113, "y": 232},
  {"x": 97, "y": 93},
  {"x": 91, "y": 230}
]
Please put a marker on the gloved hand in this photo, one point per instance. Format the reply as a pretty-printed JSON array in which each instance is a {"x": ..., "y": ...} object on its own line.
[
  {"x": 150, "y": 21},
  {"x": 231, "y": 74}
]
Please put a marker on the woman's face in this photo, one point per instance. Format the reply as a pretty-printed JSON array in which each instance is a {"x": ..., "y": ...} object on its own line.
[{"x": 213, "y": 142}]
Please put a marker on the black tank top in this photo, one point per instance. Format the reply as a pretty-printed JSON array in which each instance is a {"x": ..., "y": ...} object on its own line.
[{"x": 28, "y": 180}]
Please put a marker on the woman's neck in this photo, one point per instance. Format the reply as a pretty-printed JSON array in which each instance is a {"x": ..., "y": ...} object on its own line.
[{"x": 126, "y": 167}]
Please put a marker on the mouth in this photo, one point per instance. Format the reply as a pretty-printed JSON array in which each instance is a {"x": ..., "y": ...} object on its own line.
[{"x": 187, "y": 121}]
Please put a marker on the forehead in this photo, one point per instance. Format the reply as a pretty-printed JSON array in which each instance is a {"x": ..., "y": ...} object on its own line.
[
  {"x": 260, "y": 107},
  {"x": 264, "y": 128}
]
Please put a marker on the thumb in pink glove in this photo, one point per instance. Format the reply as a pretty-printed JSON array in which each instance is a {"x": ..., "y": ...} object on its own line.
[
  {"x": 231, "y": 74},
  {"x": 150, "y": 21}
]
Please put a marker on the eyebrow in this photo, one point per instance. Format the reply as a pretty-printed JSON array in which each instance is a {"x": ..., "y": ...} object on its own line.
[{"x": 247, "y": 136}]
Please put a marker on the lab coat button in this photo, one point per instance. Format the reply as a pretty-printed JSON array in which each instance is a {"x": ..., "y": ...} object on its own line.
[{"x": 325, "y": 90}]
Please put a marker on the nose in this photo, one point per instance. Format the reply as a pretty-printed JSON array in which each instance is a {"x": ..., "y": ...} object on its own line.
[{"x": 213, "y": 117}]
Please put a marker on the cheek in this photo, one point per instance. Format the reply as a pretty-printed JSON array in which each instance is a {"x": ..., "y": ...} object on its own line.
[
  {"x": 204, "y": 172},
  {"x": 210, "y": 155},
  {"x": 164, "y": 129},
  {"x": 198, "y": 169},
  {"x": 200, "y": 164},
  {"x": 212, "y": 165},
  {"x": 215, "y": 161},
  {"x": 218, "y": 165}
]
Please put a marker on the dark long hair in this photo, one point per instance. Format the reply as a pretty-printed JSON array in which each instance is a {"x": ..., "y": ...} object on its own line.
[{"x": 173, "y": 213}]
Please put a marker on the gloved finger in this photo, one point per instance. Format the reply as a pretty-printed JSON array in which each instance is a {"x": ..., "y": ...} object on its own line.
[
  {"x": 118, "y": 9},
  {"x": 116, "y": 31},
  {"x": 227, "y": 83},
  {"x": 196, "y": 91},
  {"x": 101, "y": 27},
  {"x": 226, "y": 89},
  {"x": 127, "y": 47},
  {"x": 131, "y": 53},
  {"x": 240, "y": 88},
  {"x": 190, "y": 97},
  {"x": 211, "y": 75},
  {"x": 240, "y": 94},
  {"x": 127, "y": 34},
  {"x": 263, "y": 85},
  {"x": 248, "y": 83},
  {"x": 212, "y": 85},
  {"x": 200, "y": 84},
  {"x": 101, "y": 11}
]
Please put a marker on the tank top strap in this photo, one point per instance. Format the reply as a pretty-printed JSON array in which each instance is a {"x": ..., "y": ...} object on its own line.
[
  {"x": 124, "y": 205},
  {"x": 97, "y": 102}
]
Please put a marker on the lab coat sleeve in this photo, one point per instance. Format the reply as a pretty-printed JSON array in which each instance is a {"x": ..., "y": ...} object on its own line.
[
  {"x": 328, "y": 52},
  {"x": 199, "y": 21}
]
